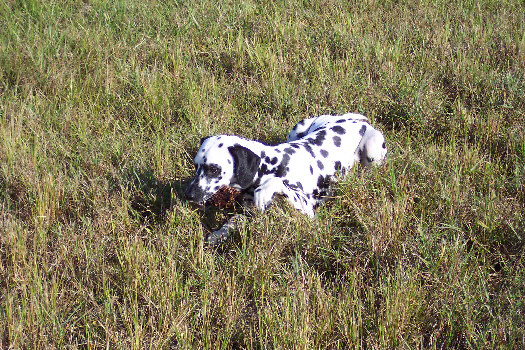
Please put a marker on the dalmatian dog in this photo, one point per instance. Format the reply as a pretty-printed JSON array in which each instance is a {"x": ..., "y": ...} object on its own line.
[
  {"x": 371, "y": 150},
  {"x": 317, "y": 151}
]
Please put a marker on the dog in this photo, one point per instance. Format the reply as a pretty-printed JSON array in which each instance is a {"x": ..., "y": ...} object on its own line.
[
  {"x": 318, "y": 150},
  {"x": 371, "y": 150}
]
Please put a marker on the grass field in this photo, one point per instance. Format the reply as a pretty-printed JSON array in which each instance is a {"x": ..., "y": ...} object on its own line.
[{"x": 103, "y": 104}]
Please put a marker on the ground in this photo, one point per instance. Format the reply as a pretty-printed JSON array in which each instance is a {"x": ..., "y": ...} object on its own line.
[{"x": 103, "y": 104}]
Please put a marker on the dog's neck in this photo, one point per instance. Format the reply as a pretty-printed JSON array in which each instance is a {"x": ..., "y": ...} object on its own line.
[
  {"x": 274, "y": 162},
  {"x": 273, "y": 159}
]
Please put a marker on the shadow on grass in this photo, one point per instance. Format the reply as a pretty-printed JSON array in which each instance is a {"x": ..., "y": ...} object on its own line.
[{"x": 151, "y": 198}]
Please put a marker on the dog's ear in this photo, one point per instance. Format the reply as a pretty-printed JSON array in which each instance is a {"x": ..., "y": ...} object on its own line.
[{"x": 245, "y": 165}]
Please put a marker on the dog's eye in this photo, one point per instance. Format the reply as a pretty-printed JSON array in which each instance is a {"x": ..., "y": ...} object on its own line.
[{"x": 213, "y": 171}]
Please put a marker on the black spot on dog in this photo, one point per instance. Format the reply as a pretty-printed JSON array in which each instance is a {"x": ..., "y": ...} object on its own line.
[
  {"x": 324, "y": 153},
  {"x": 338, "y": 165},
  {"x": 263, "y": 154},
  {"x": 309, "y": 149},
  {"x": 323, "y": 182},
  {"x": 384, "y": 145},
  {"x": 311, "y": 170},
  {"x": 320, "y": 165},
  {"x": 319, "y": 138},
  {"x": 263, "y": 170},
  {"x": 294, "y": 145},
  {"x": 299, "y": 185},
  {"x": 267, "y": 159},
  {"x": 220, "y": 145},
  {"x": 278, "y": 150},
  {"x": 229, "y": 161},
  {"x": 339, "y": 130},
  {"x": 282, "y": 169},
  {"x": 300, "y": 135},
  {"x": 273, "y": 161},
  {"x": 363, "y": 130},
  {"x": 337, "y": 141},
  {"x": 289, "y": 150},
  {"x": 341, "y": 121}
]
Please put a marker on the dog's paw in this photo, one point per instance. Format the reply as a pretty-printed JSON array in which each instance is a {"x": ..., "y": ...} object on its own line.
[
  {"x": 218, "y": 237},
  {"x": 301, "y": 203},
  {"x": 309, "y": 211}
]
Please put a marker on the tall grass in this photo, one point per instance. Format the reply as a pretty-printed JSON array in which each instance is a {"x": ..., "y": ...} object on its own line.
[{"x": 102, "y": 105}]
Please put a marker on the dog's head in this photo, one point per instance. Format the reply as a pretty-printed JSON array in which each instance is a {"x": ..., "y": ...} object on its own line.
[
  {"x": 372, "y": 149},
  {"x": 221, "y": 161}
]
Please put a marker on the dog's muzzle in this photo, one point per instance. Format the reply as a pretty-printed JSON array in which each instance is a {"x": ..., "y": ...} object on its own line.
[{"x": 194, "y": 193}]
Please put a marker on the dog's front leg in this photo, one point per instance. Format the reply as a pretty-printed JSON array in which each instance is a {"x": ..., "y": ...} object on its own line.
[
  {"x": 221, "y": 235},
  {"x": 263, "y": 195}
]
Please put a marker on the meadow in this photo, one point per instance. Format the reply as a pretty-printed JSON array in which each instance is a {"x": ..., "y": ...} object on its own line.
[{"x": 103, "y": 104}]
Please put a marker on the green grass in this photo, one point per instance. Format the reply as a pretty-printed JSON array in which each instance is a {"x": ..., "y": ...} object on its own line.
[{"x": 102, "y": 105}]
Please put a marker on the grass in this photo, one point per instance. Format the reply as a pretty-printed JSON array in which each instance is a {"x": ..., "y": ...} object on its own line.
[{"x": 102, "y": 105}]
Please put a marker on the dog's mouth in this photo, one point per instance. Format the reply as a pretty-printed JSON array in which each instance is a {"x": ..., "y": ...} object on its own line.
[
  {"x": 224, "y": 198},
  {"x": 201, "y": 203},
  {"x": 197, "y": 205}
]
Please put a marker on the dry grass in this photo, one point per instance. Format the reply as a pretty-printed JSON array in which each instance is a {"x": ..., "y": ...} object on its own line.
[{"x": 102, "y": 105}]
